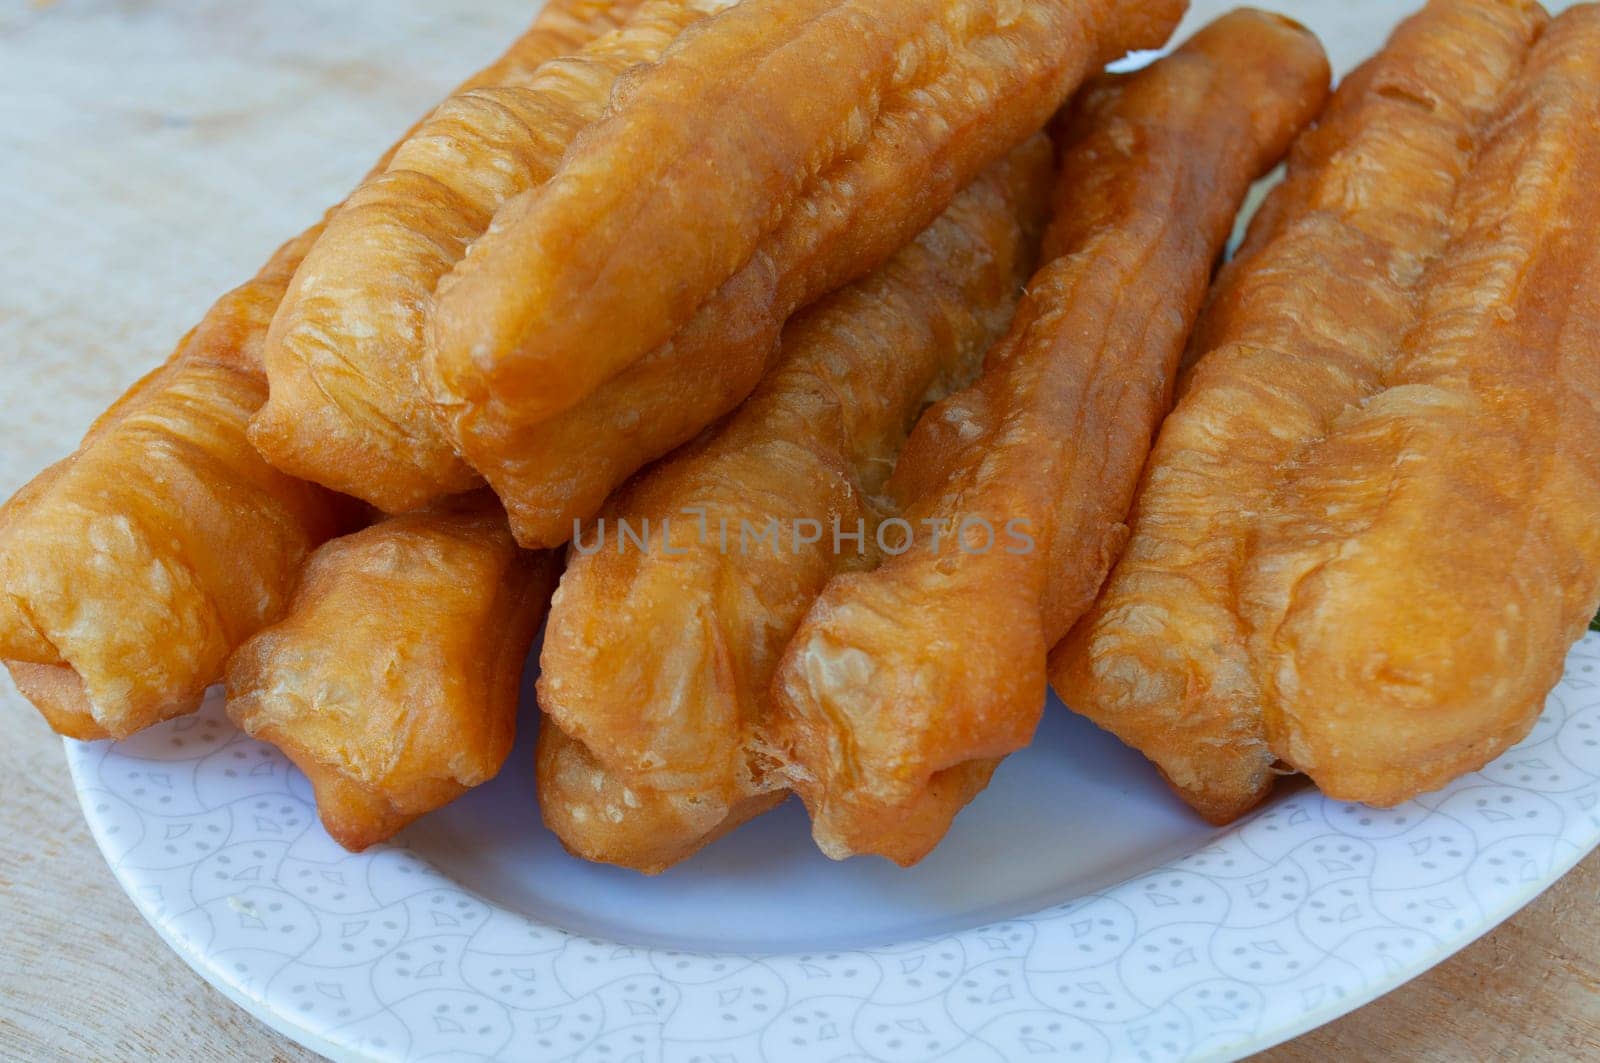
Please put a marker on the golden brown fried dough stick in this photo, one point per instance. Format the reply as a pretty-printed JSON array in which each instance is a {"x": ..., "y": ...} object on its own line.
[
  {"x": 1299, "y": 327},
  {"x": 130, "y": 570},
  {"x": 657, "y": 661},
  {"x": 905, "y": 685},
  {"x": 392, "y": 679},
  {"x": 1424, "y": 567},
  {"x": 344, "y": 350},
  {"x": 714, "y": 201}
]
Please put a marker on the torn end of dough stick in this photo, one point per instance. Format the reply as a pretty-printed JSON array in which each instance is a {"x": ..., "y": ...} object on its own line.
[
  {"x": 605, "y": 817},
  {"x": 132, "y": 568},
  {"x": 393, "y": 678}
]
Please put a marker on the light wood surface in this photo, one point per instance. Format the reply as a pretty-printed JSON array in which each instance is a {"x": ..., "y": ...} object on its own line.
[{"x": 151, "y": 155}]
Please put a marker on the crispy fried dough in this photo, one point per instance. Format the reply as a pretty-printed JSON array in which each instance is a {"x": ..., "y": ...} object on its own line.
[
  {"x": 657, "y": 661},
  {"x": 1301, "y": 326},
  {"x": 344, "y": 350},
  {"x": 131, "y": 569},
  {"x": 1422, "y": 569},
  {"x": 599, "y": 816},
  {"x": 392, "y": 679},
  {"x": 904, "y": 685},
  {"x": 715, "y": 200}
]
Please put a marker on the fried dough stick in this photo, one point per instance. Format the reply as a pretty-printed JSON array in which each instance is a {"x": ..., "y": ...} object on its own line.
[
  {"x": 1299, "y": 327},
  {"x": 392, "y": 679},
  {"x": 657, "y": 662},
  {"x": 714, "y": 201},
  {"x": 1423, "y": 569},
  {"x": 342, "y": 356},
  {"x": 904, "y": 686},
  {"x": 131, "y": 569}
]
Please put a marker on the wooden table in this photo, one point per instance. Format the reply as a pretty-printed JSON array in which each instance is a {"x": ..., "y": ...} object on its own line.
[{"x": 151, "y": 155}]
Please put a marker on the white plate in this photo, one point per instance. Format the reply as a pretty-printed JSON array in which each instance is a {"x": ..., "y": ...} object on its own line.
[{"x": 1077, "y": 909}]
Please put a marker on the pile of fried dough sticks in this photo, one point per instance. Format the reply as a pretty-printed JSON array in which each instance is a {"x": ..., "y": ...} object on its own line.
[{"x": 859, "y": 370}]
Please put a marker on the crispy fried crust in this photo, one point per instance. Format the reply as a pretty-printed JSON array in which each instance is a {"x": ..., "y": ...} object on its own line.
[
  {"x": 683, "y": 230},
  {"x": 657, "y": 663},
  {"x": 130, "y": 570},
  {"x": 904, "y": 686},
  {"x": 1300, "y": 327},
  {"x": 1423, "y": 568},
  {"x": 392, "y": 679},
  {"x": 599, "y": 816},
  {"x": 344, "y": 349}
]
